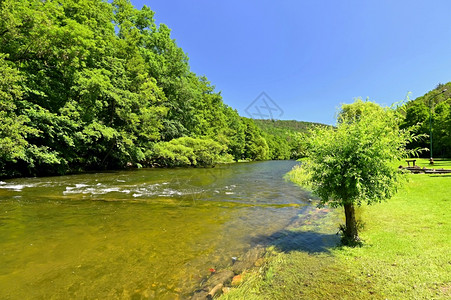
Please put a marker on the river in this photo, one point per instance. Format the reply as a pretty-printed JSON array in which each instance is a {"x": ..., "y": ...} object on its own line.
[{"x": 148, "y": 233}]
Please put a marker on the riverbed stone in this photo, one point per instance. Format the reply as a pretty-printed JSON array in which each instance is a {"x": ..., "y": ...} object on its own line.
[
  {"x": 248, "y": 260},
  {"x": 237, "y": 279},
  {"x": 200, "y": 295},
  {"x": 223, "y": 277},
  {"x": 214, "y": 285},
  {"x": 214, "y": 291},
  {"x": 217, "y": 281}
]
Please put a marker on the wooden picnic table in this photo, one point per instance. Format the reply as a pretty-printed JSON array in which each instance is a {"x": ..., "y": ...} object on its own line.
[{"x": 411, "y": 160}]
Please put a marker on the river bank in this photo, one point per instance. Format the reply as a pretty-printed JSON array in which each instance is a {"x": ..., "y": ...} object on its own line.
[
  {"x": 147, "y": 233},
  {"x": 309, "y": 231},
  {"x": 405, "y": 255}
]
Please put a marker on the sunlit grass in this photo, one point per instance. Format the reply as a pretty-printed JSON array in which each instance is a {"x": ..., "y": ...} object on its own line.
[
  {"x": 438, "y": 163},
  {"x": 406, "y": 252}
]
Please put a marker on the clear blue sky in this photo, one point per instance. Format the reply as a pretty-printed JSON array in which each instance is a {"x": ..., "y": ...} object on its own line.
[{"x": 311, "y": 56}]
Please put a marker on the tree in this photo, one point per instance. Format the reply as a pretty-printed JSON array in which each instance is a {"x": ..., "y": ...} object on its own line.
[
  {"x": 255, "y": 147},
  {"x": 442, "y": 129},
  {"x": 187, "y": 151},
  {"x": 353, "y": 163},
  {"x": 13, "y": 129},
  {"x": 433, "y": 106},
  {"x": 95, "y": 84},
  {"x": 234, "y": 133}
]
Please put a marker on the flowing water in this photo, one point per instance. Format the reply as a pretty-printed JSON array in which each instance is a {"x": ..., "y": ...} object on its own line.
[{"x": 150, "y": 233}]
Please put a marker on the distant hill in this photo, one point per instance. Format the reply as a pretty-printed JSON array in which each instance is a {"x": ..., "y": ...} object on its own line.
[
  {"x": 276, "y": 126},
  {"x": 286, "y": 139},
  {"x": 441, "y": 93}
]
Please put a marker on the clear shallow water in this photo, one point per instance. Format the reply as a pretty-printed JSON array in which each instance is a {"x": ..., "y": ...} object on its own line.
[{"x": 151, "y": 233}]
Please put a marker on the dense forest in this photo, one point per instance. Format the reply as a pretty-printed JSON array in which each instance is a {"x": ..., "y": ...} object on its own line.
[
  {"x": 286, "y": 138},
  {"x": 431, "y": 111},
  {"x": 89, "y": 85}
]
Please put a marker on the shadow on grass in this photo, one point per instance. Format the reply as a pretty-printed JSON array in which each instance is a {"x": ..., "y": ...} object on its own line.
[
  {"x": 306, "y": 241},
  {"x": 439, "y": 163}
]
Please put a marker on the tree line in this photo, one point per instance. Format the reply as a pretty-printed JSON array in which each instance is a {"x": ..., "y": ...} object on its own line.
[
  {"x": 432, "y": 112},
  {"x": 91, "y": 84}
]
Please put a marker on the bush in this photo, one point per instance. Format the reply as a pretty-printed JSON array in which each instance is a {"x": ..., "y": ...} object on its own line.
[{"x": 187, "y": 151}]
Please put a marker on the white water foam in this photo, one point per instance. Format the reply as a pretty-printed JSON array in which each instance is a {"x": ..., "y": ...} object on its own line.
[
  {"x": 15, "y": 187},
  {"x": 170, "y": 192},
  {"x": 94, "y": 190}
]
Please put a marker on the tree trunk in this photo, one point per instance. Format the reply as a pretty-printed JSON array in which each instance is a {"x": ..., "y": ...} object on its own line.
[{"x": 350, "y": 234}]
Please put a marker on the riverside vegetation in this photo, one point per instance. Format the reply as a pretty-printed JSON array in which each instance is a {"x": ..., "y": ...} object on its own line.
[
  {"x": 92, "y": 85},
  {"x": 406, "y": 248},
  {"x": 405, "y": 255},
  {"x": 351, "y": 164}
]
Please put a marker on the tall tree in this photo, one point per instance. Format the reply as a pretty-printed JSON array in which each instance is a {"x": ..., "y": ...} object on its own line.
[
  {"x": 353, "y": 163},
  {"x": 431, "y": 112},
  {"x": 96, "y": 84}
]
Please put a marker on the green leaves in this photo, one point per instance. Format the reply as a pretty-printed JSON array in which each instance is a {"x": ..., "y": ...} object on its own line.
[
  {"x": 188, "y": 151},
  {"x": 89, "y": 84},
  {"x": 353, "y": 163},
  {"x": 256, "y": 147},
  {"x": 431, "y": 111},
  {"x": 13, "y": 126}
]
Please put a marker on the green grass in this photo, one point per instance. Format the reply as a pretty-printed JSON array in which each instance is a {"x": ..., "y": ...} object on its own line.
[
  {"x": 406, "y": 252},
  {"x": 438, "y": 163}
]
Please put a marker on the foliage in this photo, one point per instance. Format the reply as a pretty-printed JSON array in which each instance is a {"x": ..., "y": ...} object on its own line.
[
  {"x": 187, "y": 151},
  {"x": 96, "y": 84},
  {"x": 285, "y": 125},
  {"x": 278, "y": 147},
  {"x": 286, "y": 139},
  {"x": 13, "y": 128},
  {"x": 431, "y": 110},
  {"x": 256, "y": 147},
  {"x": 353, "y": 163},
  {"x": 396, "y": 262}
]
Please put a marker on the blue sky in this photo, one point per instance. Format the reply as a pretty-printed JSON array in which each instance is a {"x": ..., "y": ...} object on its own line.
[{"x": 311, "y": 56}]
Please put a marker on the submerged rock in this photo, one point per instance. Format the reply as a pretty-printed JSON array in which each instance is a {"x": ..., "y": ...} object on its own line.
[
  {"x": 213, "y": 285},
  {"x": 237, "y": 279},
  {"x": 216, "y": 290},
  {"x": 223, "y": 277},
  {"x": 248, "y": 260},
  {"x": 219, "y": 281},
  {"x": 200, "y": 295}
]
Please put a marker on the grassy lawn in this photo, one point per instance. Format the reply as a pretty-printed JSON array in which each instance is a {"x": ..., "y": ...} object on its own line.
[{"x": 406, "y": 252}]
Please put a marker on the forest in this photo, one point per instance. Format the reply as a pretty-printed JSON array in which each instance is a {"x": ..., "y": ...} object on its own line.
[
  {"x": 93, "y": 85},
  {"x": 90, "y": 85},
  {"x": 432, "y": 112}
]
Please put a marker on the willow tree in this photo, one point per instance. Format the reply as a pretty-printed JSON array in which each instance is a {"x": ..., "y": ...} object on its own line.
[{"x": 354, "y": 162}]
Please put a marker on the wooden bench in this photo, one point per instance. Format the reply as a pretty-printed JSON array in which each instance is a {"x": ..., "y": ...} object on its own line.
[{"x": 411, "y": 160}]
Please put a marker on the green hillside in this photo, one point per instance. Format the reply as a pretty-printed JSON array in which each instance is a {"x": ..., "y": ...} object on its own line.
[
  {"x": 274, "y": 126},
  {"x": 92, "y": 85},
  {"x": 432, "y": 110},
  {"x": 285, "y": 138}
]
